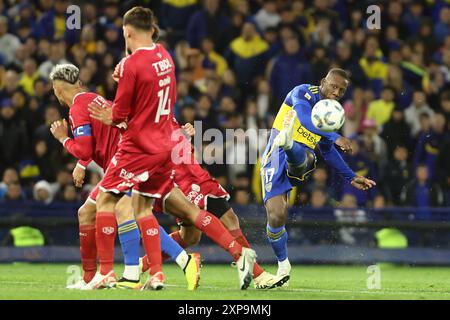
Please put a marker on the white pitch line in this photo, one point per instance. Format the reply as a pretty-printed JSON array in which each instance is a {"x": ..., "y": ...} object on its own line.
[
  {"x": 328, "y": 290},
  {"x": 378, "y": 292}
]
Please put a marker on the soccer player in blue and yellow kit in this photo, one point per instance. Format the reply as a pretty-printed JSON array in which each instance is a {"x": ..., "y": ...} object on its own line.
[{"x": 290, "y": 157}]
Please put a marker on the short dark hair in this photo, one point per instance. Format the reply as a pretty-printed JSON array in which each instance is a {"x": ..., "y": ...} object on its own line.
[
  {"x": 340, "y": 72},
  {"x": 143, "y": 19}
]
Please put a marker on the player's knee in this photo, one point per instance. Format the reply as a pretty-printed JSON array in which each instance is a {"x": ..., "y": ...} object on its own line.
[
  {"x": 276, "y": 213},
  {"x": 124, "y": 211},
  {"x": 191, "y": 236},
  {"x": 86, "y": 216},
  {"x": 230, "y": 220}
]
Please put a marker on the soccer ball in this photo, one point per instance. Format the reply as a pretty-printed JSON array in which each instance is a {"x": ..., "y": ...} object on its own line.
[{"x": 328, "y": 115}]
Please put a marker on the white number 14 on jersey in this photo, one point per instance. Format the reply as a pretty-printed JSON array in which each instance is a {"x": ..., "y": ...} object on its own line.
[{"x": 163, "y": 105}]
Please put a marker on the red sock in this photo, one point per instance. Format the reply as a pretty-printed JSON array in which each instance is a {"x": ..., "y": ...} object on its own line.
[
  {"x": 151, "y": 241},
  {"x": 240, "y": 238},
  {"x": 88, "y": 252},
  {"x": 214, "y": 229},
  {"x": 176, "y": 235},
  {"x": 106, "y": 229}
]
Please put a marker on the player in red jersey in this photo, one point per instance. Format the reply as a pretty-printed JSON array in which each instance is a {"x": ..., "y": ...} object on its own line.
[
  {"x": 207, "y": 193},
  {"x": 96, "y": 235},
  {"x": 95, "y": 141},
  {"x": 145, "y": 97}
]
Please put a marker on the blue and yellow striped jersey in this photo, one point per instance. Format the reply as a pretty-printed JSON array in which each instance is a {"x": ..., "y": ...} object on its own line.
[{"x": 303, "y": 98}]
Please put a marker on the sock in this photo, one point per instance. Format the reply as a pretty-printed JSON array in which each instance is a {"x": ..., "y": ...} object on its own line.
[
  {"x": 106, "y": 229},
  {"x": 296, "y": 155},
  {"x": 176, "y": 236},
  {"x": 278, "y": 239},
  {"x": 168, "y": 245},
  {"x": 130, "y": 239},
  {"x": 152, "y": 242},
  {"x": 131, "y": 273},
  {"x": 240, "y": 238},
  {"x": 88, "y": 252},
  {"x": 214, "y": 229},
  {"x": 182, "y": 259}
]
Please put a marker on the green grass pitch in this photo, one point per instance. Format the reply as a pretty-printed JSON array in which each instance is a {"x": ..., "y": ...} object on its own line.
[{"x": 219, "y": 282}]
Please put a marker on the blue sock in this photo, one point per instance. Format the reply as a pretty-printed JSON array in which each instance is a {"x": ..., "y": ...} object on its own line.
[
  {"x": 278, "y": 238},
  {"x": 296, "y": 155},
  {"x": 168, "y": 245},
  {"x": 130, "y": 238}
]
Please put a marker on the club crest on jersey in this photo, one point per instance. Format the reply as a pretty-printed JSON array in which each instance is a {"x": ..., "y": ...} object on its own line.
[
  {"x": 268, "y": 187},
  {"x": 159, "y": 55}
]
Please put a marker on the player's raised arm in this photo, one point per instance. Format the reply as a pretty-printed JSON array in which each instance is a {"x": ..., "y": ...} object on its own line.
[
  {"x": 82, "y": 146},
  {"x": 125, "y": 90},
  {"x": 67, "y": 86}
]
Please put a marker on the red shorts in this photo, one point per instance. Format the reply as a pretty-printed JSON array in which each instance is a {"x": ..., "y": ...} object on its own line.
[
  {"x": 93, "y": 194},
  {"x": 148, "y": 175},
  {"x": 197, "y": 194}
]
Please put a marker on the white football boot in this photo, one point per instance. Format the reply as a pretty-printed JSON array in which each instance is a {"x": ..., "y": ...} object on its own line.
[
  {"x": 77, "y": 285},
  {"x": 101, "y": 281},
  {"x": 244, "y": 266},
  {"x": 284, "y": 269},
  {"x": 267, "y": 280}
]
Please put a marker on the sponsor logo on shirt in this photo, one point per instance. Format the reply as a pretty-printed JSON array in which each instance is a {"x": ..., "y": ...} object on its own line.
[{"x": 162, "y": 67}]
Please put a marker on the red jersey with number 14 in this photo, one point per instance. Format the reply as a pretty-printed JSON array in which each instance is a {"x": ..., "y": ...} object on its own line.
[{"x": 145, "y": 97}]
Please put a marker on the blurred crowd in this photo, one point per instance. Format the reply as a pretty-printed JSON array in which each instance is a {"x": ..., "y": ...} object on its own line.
[{"x": 236, "y": 60}]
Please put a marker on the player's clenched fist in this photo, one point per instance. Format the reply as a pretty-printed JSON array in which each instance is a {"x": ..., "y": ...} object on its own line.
[
  {"x": 189, "y": 128},
  {"x": 59, "y": 130},
  {"x": 78, "y": 176}
]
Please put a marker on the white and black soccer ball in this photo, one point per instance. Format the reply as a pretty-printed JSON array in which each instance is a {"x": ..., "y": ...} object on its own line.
[{"x": 328, "y": 115}]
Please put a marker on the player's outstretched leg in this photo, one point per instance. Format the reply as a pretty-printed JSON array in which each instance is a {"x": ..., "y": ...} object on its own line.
[
  {"x": 277, "y": 211},
  {"x": 261, "y": 279},
  {"x": 189, "y": 263},
  {"x": 178, "y": 205},
  {"x": 130, "y": 239},
  {"x": 299, "y": 158},
  {"x": 88, "y": 247}
]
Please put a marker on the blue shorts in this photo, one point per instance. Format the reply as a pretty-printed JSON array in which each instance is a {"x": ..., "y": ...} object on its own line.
[{"x": 275, "y": 178}]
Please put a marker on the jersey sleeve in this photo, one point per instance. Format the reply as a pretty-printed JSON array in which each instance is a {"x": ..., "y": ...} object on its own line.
[
  {"x": 83, "y": 163},
  {"x": 333, "y": 158},
  {"x": 125, "y": 90},
  {"x": 82, "y": 145}
]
